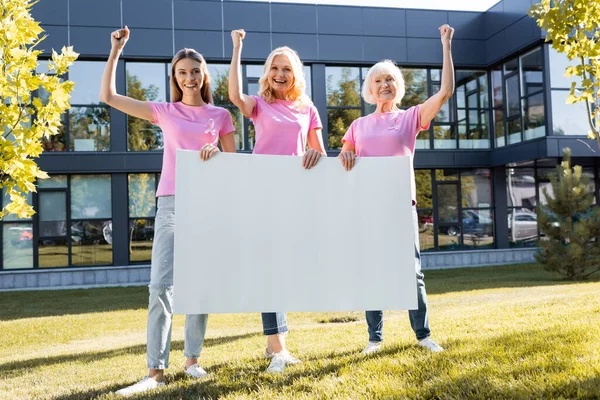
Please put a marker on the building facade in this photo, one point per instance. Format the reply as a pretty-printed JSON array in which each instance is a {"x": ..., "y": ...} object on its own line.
[{"x": 481, "y": 168}]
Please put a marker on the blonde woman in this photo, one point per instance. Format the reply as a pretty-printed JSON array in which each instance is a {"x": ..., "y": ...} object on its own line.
[
  {"x": 189, "y": 122},
  {"x": 285, "y": 122},
  {"x": 390, "y": 131}
]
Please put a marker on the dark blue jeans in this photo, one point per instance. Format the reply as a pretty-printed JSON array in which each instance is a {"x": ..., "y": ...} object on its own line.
[
  {"x": 274, "y": 323},
  {"x": 419, "y": 320}
]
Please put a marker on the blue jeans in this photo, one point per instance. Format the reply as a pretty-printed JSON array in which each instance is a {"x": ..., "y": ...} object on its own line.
[
  {"x": 160, "y": 304},
  {"x": 419, "y": 320},
  {"x": 274, "y": 323}
]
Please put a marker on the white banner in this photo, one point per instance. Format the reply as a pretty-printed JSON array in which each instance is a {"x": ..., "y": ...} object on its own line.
[{"x": 257, "y": 233}]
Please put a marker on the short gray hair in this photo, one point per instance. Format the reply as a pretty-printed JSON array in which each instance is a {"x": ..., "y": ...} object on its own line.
[{"x": 385, "y": 67}]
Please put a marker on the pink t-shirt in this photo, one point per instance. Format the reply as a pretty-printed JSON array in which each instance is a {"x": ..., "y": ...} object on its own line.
[
  {"x": 282, "y": 126},
  {"x": 387, "y": 134},
  {"x": 189, "y": 128}
]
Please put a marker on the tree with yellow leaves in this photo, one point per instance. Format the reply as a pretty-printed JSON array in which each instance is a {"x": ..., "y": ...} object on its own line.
[
  {"x": 25, "y": 117},
  {"x": 573, "y": 26}
]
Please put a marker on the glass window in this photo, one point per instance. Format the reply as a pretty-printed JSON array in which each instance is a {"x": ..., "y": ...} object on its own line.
[
  {"x": 558, "y": 64},
  {"x": 445, "y": 114},
  {"x": 142, "y": 195},
  {"x": 499, "y": 127},
  {"x": 52, "y": 214},
  {"x": 514, "y": 130},
  {"x": 422, "y": 141},
  {"x": 147, "y": 82},
  {"x": 339, "y": 121},
  {"x": 520, "y": 187},
  {"x": 86, "y": 75},
  {"x": 89, "y": 128},
  {"x": 17, "y": 245},
  {"x": 6, "y": 200},
  {"x": 476, "y": 188},
  {"x": 568, "y": 119},
  {"x": 415, "y": 82},
  {"x": 343, "y": 88},
  {"x": 424, "y": 191},
  {"x": 254, "y": 71},
  {"x": 531, "y": 72},
  {"x": 511, "y": 66},
  {"x": 533, "y": 116},
  {"x": 55, "y": 181},
  {"x": 512, "y": 95},
  {"x": 477, "y": 228},
  {"x": 444, "y": 137},
  {"x": 91, "y": 196},
  {"x": 91, "y": 243},
  {"x": 53, "y": 253},
  {"x": 522, "y": 227},
  {"x": 219, "y": 83},
  {"x": 497, "y": 87},
  {"x": 308, "y": 78},
  {"x": 141, "y": 236},
  {"x": 426, "y": 236}
]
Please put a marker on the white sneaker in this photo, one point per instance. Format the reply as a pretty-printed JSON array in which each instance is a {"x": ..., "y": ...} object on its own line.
[
  {"x": 280, "y": 360},
  {"x": 430, "y": 345},
  {"x": 372, "y": 347},
  {"x": 144, "y": 385},
  {"x": 195, "y": 371}
]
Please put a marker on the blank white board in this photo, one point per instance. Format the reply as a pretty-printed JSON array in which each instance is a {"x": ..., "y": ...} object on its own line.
[{"x": 259, "y": 233}]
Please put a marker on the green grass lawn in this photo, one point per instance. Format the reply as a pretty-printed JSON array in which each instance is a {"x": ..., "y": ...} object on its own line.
[{"x": 511, "y": 332}]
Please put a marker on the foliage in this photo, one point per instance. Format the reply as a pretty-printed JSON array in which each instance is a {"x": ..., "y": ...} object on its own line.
[
  {"x": 570, "y": 223},
  {"x": 26, "y": 118},
  {"x": 573, "y": 26},
  {"x": 142, "y": 134}
]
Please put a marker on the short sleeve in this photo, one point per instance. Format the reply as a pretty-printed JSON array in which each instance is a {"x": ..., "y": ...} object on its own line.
[
  {"x": 315, "y": 120},
  {"x": 257, "y": 100},
  {"x": 226, "y": 124},
  {"x": 349, "y": 137},
  {"x": 158, "y": 112},
  {"x": 417, "y": 117}
]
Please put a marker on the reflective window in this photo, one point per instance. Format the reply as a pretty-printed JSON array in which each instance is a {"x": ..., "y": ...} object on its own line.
[
  {"x": 91, "y": 196},
  {"x": 444, "y": 137},
  {"x": 522, "y": 227},
  {"x": 520, "y": 187},
  {"x": 499, "y": 127},
  {"x": 533, "y": 116},
  {"x": 89, "y": 128},
  {"x": 512, "y": 95},
  {"x": 558, "y": 64},
  {"x": 476, "y": 188},
  {"x": 52, "y": 213},
  {"x": 91, "y": 242},
  {"x": 53, "y": 253},
  {"x": 568, "y": 119},
  {"x": 146, "y": 82},
  {"x": 142, "y": 210},
  {"x": 415, "y": 82},
  {"x": 497, "y": 87},
  {"x": 514, "y": 130},
  {"x": 17, "y": 245},
  {"x": 532, "y": 72},
  {"x": 471, "y": 101},
  {"x": 343, "y": 102}
]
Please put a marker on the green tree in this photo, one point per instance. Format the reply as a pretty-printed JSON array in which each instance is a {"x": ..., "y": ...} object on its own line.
[
  {"x": 573, "y": 27},
  {"x": 142, "y": 135},
  {"x": 26, "y": 118},
  {"x": 220, "y": 87},
  {"x": 570, "y": 224}
]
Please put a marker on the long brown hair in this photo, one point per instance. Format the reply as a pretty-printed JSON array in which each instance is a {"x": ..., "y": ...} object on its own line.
[{"x": 176, "y": 93}]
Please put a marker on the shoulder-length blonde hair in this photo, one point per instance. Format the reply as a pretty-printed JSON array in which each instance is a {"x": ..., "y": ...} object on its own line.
[
  {"x": 176, "y": 92},
  {"x": 296, "y": 93},
  {"x": 385, "y": 67}
]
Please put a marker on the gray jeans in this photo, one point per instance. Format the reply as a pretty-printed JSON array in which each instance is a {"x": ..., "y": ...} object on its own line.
[{"x": 160, "y": 304}]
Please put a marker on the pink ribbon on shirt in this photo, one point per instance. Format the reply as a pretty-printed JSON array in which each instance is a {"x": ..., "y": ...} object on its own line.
[{"x": 211, "y": 127}]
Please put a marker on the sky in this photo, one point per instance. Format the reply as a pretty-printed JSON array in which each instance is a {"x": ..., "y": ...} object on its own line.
[{"x": 462, "y": 5}]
